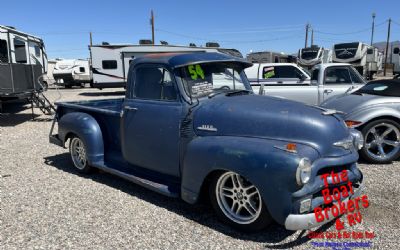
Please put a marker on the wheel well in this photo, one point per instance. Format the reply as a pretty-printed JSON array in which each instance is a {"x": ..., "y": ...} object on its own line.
[
  {"x": 388, "y": 117},
  {"x": 68, "y": 136},
  {"x": 203, "y": 196}
]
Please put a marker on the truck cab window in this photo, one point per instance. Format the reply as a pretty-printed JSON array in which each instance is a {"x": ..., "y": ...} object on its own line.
[
  {"x": 355, "y": 77},
  {"x": 154, "y": 83},
  {"x": 3, "y": 51},
  {"x": 20, "y": 51},
  {"x": 282, "y": 72},
  {"x": 336, "y": 75},
  {"x": 314, "y": 75}
]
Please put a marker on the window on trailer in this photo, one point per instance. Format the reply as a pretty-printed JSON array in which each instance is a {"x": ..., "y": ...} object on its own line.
[
  {"x": 109, "y": 64},
  {"x": 37, "y": 50},
  {"x": 3, "y": 51},
  {"x": 20, "y": 51}
]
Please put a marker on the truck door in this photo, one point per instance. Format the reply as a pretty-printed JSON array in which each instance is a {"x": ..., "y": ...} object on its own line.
[
  {"x": 289, "y": 82},
  {"x": 337, "y": 80},
  {"x": 151, "y": 120}
]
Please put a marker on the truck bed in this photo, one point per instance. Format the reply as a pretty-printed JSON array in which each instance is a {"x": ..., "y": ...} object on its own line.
[
  {"x": 106, "y": 112},
  {"x": 108, "y": 106}
]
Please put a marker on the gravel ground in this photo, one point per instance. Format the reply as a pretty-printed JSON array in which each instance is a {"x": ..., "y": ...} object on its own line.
[{"x": 46, "y": 204}]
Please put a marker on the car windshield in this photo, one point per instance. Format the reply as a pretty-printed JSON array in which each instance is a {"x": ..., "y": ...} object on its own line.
[
  {"x": 382, "y": 88},
  {"x": 205, "y": 79}
]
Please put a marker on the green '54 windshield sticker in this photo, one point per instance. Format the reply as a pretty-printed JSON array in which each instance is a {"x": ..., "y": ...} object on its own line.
[{"x": 196, "y": 71}]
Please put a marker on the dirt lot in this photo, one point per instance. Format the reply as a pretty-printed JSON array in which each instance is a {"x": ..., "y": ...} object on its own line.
[{"x": 46, "y": 204}]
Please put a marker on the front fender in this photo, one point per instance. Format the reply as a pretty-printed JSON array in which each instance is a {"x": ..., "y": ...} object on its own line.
[
  {"x": 367, "y": 114},
  {"x": 85, "y": 127},
  {"x": 271, "y": 169}
]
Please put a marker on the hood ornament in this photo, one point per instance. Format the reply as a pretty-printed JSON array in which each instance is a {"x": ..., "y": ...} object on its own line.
[
  {"x": 209, "y": 128},
  {"x": 332, "y": 112}
]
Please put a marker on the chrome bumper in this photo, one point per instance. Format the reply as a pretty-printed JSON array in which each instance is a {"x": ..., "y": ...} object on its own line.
[{"x": 307, "y": 221}]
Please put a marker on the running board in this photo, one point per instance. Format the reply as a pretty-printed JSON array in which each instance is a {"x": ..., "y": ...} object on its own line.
[{"x": 157, "y": 187}]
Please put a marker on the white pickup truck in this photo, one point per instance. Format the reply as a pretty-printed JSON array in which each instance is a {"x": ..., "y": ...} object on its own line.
[{"x": 292, "y": 82}]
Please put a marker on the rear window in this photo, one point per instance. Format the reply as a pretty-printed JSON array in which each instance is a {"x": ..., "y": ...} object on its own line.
[
  {"x": 109, "y": 64},
  {"x": 382, "y": 88}
]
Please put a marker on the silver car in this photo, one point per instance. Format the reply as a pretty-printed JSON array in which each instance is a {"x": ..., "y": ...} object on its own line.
[{"x": 373, "y": 109}]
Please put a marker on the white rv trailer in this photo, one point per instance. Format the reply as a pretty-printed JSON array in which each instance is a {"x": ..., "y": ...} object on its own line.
[
  {"x": 311, "y": 56},
  {"x": 110, "y": 62},
  {"x": 72, "y": 72},
  {"x": 396, "y": 60},
  {"x": 270, "y": 57},
  {"x": 365, "y": 58},
  {"x": 23, "y": 61}
]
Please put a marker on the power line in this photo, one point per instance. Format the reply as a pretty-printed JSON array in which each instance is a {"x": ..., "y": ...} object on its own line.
[
  {"x": 227, "y": 41},
  {"x": 393, "y": 21},
  {"x": 350, "y": 33}
]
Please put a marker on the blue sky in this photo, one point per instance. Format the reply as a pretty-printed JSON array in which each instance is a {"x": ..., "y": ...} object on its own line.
[{"x": 245, "y": 25}]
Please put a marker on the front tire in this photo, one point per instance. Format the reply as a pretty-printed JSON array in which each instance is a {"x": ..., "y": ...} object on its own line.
[
  {"x": 381, "y": 141},
  {"x": 238, "y": 203},
  {"x": 77, "y": 150}
]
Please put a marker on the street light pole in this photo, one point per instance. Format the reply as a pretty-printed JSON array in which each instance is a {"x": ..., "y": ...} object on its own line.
[{"x": 373, "y": 27}]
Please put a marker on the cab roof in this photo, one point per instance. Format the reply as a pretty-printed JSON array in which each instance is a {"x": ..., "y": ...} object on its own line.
[{"x": 177, "y": 60}]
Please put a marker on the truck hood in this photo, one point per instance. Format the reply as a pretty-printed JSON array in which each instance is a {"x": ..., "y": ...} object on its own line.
[
  {"x": 271, "y": 118},
  {"x": 350, "y": 103}
]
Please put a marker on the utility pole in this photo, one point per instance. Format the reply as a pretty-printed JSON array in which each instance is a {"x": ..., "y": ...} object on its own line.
[
  {"x": 91, "y": 39},
  {"x": 312, "y": 36},
  {"x": 373, "y": 27},
  {"x": 387, "y": 47},
  {"x": 307, "y": 28},
  {"x": 152, "y": 27}
]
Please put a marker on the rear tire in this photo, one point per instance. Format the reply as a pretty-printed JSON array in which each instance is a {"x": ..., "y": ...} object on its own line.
[
  {"x": 381, "y": 141},
  {"x": 77, "y": 150},
  {"x": 238, "y": 203}
]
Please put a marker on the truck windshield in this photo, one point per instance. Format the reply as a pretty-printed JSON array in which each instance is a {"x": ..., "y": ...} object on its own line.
[{"x": 201, "y": 80}]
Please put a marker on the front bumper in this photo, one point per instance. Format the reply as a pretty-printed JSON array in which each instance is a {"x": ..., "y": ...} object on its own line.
[{"x": 308, "y": 221}]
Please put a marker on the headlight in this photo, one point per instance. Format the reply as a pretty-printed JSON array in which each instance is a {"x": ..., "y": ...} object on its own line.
[
  {"x": 303, "y": 172},
  {"x": 358, "y": 138}
]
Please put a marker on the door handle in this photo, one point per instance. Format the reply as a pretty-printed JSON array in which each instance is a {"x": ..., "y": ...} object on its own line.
[
  {"x": 130, "y": 108},
  {"x": 328, "y": 91}
]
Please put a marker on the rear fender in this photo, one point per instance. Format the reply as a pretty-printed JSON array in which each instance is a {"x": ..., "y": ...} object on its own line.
[
  {"x": 85, "y": 127},
  {"x": 271, "y": 169}
]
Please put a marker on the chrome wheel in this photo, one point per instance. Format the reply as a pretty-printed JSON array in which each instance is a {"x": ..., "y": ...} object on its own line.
[
  {"x": 78, "y": 153},
  {"x": 382, "y": 141},
  {"x": 237, "y": 198}
]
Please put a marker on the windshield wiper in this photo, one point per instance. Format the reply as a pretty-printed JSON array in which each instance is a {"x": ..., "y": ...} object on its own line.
[
  {"x": 215, "y": 93},
  {"x": 239, "y": 91},
  {"x": 229, "y": 92}
]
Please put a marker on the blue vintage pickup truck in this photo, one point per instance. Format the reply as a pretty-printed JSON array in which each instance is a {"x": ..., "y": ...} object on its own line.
[{"x": 190, "y": 125}]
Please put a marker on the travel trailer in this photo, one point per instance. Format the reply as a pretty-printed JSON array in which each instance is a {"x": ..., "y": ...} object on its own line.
[
  {"x": 23, "y": 61},
  {"x": 311, "y": 56},
  {"x": 365, "y": 58},
  {"x": 110, "y": 62},
  {"x": 396, "y": 60},
  {"x": 270, "y": 57},
  {"x": 72, "y": 72}
]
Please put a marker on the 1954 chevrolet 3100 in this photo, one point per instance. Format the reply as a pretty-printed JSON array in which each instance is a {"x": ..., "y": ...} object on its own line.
[{"x": 190, "y": 125}]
